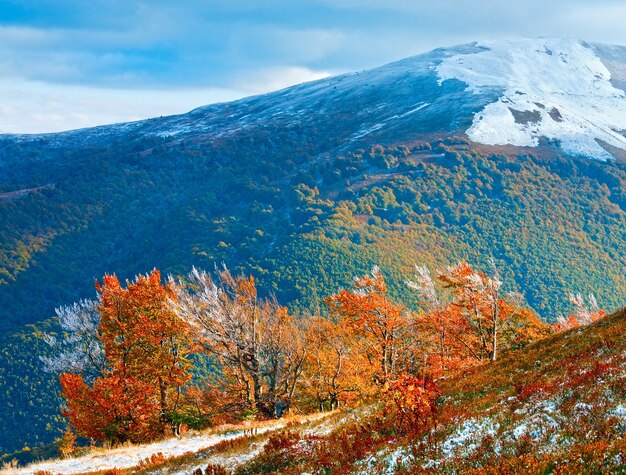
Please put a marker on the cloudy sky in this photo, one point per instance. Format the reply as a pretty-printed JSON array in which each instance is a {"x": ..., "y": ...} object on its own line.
[{"x": 75, "y": 63}]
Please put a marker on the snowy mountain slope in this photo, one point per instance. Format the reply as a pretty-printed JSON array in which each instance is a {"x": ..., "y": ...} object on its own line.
[
  {"x": 558, "y": 89},
  {"x": 400, "y": 99},
  {"x": 500, "y": 92}
]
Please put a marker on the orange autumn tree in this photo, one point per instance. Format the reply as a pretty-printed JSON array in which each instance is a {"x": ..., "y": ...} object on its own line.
[
  {"x": 490, "y": 320},
  {"x": 377, "y": 324},
  {"x": 469, "y": 319},
  {"x": 335, "y": 371},
  {"x": 146, "y": 348}
]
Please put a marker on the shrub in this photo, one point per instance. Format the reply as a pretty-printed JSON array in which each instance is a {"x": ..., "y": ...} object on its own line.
[
  {"x": 211, "y": 469},
  {"x": 67, "y": 443},
  {"x": 410, "y": 403},
  {"x": 153, "y": 461},
  {"x": 278, "y": 453}
]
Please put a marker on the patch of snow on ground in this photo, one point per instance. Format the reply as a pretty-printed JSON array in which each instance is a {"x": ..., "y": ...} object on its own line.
[
  {"x": 620, "y": 411},
  {"x": 231, "y": 461},
  {"x": 328, "y": 426},
  {"x": 561, "y": 88},
  {"x": 380, "y": 125},
  {"x": 130, "y": 456},
  {"x": 125, "y": 457},
  {"x": 395, "y": 459},
  {"x": 392, "y": 460},
  {"x": 468, "y": 436},
  {"x": 542, "y": 420}
]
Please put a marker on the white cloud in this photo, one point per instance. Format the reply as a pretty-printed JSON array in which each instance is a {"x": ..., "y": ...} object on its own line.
[
  {"x": 272, "y": 79},
  {"x": 602, "y": 23},
  {"x": 290, "y": 44},
  {"x": 36, "y": 107}
]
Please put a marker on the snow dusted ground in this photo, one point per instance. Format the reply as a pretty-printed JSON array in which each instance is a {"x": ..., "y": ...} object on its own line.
[
  {"x": 559, "y": 89},
  {"x": 126, "y": 457}
]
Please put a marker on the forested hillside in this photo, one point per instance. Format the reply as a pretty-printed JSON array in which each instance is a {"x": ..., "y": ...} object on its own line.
[
  {"x": 302, "y": 228},
  {"x": 281, "y": 219}
]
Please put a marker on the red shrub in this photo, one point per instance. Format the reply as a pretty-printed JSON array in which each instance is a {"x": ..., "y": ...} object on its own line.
[{"x": 410, "y": 402}]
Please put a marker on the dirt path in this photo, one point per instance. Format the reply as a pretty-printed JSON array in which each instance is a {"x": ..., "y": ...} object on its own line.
[{"x": 127, "y": 457}]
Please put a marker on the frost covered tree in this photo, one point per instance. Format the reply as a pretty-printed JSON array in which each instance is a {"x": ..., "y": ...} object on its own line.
[
  {"x": 585, "y": 312},
  {"x": 478, "y": 320},
  {"x": 435, "y": 321},
  {"x": 76, "y": 347},
  {"x": 259, "y": 346},
  {"x": 478, "y": 297}
]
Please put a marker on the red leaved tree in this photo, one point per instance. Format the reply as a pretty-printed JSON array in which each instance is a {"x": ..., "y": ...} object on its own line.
[
  {"x": 410, "y": 402},
  {"x": 377, "y": 324},
  {"x": 146, "y": 348}
]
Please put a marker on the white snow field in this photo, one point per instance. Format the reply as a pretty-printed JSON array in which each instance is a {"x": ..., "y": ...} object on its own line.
[{"x": 561, "y": 88}]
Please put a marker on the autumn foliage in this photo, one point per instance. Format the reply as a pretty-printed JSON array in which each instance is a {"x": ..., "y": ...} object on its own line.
[
  {"x": 376, "y": 323},
  {"x": 410, "y": 402},
  {"x": 146, "y": 348},
  {"x": 264, "y": 361},
  {"x": 336, "y": 371},
  {"x": 467, "y": 320}
]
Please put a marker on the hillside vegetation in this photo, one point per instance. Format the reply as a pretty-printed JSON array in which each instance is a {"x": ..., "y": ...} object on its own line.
[
  {"x": 557, "y": 406},
  {"x": 558, "y": 223},
  {"x": 304, "y": 224}
]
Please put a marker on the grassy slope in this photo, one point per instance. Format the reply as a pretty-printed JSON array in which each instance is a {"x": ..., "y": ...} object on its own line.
[
  {"x": 560, "y": 401},
  {"x": 557, "y": 406}
]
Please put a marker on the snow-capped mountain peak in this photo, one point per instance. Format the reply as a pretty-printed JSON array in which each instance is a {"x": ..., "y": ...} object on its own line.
[
  {"x": 553, "y": 88},
  {"x": 504, "y": 92}
]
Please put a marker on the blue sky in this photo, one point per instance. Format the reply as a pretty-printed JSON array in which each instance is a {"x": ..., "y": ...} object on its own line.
[{"x": 75, "y": 63}]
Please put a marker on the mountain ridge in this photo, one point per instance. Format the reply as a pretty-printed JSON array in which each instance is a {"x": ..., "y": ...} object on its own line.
[
  {"x": 485, "y": 80},
  {"x": 297, "y": 197}
]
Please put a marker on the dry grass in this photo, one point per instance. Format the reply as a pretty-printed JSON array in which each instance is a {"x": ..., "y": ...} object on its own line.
[{"x": 144, "y": 458}]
